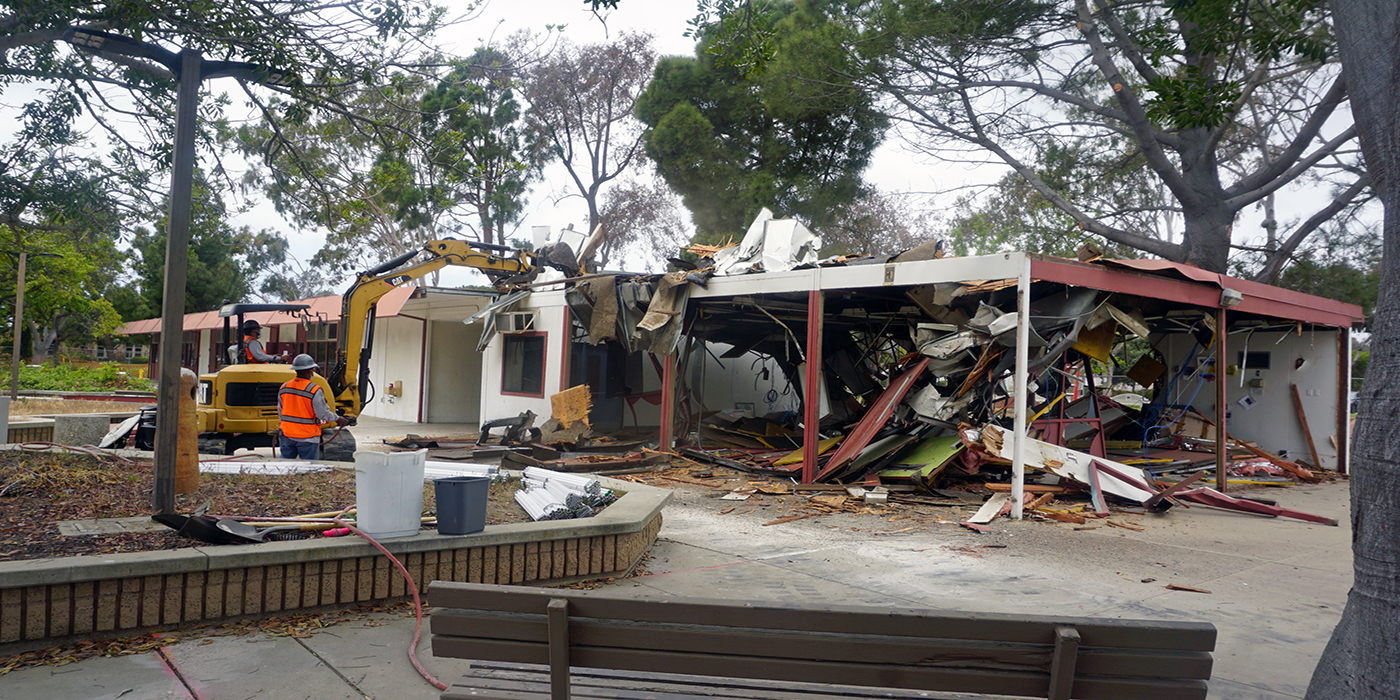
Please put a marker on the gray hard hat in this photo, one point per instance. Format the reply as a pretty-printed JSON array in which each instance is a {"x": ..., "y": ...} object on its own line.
[{"x": 304, "y": 361}]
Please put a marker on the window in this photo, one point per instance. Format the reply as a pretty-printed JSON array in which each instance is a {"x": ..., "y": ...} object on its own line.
[
  {"x": 130, "y": 351},
  {"x": 523, "y": 369}
]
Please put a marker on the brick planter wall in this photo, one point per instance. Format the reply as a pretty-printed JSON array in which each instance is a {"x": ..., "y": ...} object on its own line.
[{"x": 45, "y": 601}]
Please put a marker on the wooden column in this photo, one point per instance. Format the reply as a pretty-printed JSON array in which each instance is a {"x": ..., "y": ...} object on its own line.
[
  {"x": 1222, "y": 438},
  {"x": 812, "y": 387}
]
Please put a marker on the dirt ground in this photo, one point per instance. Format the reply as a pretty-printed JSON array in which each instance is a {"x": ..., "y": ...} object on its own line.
[{"x": 37, "y": 490}]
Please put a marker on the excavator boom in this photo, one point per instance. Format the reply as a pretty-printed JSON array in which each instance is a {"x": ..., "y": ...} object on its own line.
[{"x": 505, "y": 266}]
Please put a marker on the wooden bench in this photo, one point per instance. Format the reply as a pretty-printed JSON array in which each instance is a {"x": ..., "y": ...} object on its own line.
[{"x": 886, "y": 648}]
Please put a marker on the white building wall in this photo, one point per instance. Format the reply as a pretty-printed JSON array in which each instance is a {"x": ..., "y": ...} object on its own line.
[
  {"x": 550, "y": 320},
  {"x": 397, "y": 356},
  {"x": 730, "y": 384},
  {"x": 1272, "y": 420}
]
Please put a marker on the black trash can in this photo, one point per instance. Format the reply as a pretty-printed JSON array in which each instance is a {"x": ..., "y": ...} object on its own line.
[{"x": 461, "y": 504}]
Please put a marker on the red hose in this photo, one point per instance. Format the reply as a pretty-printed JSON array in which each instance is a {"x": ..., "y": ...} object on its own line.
[{"x": 417, "y": 602}]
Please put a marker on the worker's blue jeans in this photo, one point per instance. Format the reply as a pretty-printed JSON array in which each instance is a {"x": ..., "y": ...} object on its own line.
[{"x": 296, "y": 449}]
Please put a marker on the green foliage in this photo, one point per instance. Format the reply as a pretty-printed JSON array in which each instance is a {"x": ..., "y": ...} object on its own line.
[
  {"x": 794, "y": 139},
  {"x": 82, "y": 376},
  {"x": 223, "y": 261},
  {"x": 479, "y": 145},
  {"x": 1341, "y": 264}
]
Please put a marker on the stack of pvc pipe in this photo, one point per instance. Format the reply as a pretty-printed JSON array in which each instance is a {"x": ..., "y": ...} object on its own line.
[
  {"x": 557, "y": 495},
  {"x": 540, "y": 505},
  {"x": 590, "y": 490},
  {"x": 436, "y": 469}
]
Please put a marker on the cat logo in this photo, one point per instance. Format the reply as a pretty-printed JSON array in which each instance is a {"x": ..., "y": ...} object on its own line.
[{"x": 397, "y": 280}]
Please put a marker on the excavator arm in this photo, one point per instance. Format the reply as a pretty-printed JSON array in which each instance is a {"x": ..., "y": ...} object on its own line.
[{"x": 349, "y": 375}]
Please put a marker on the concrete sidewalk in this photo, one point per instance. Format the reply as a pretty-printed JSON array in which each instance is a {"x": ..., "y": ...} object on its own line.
[{"x": 1277, "y": 589}]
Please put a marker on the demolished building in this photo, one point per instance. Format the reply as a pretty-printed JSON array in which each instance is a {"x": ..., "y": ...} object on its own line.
[{"x": 901, "y": 369}]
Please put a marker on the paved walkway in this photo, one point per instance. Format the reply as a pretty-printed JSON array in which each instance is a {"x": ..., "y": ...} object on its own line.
[{"x": 1277, "y": 589}]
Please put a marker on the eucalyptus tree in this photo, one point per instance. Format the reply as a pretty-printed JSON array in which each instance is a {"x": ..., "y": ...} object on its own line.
[
  {"x": 1184, "y": 88},
  {"x": 581, "y": 101},
  {"x": 479, "y": 146},
  {"x": 1362, "y": 660}
]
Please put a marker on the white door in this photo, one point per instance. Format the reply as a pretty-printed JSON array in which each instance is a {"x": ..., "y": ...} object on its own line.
[{"x": 454, "y": 373}]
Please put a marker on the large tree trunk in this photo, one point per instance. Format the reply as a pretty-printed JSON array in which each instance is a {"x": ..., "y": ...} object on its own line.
[{"x": 1362, "y": 660}]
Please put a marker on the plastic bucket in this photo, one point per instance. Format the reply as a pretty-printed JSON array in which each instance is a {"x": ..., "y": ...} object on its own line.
[
  {"x": 461, "y": 504},
  {"x": 389, "y": 493}
]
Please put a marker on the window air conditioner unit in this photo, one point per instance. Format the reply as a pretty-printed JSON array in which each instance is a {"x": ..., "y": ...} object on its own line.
[{"x": 515, "y": 321}]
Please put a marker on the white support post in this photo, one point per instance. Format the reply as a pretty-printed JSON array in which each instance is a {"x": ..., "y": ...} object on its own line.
[{"x": 1019, "y": 402}]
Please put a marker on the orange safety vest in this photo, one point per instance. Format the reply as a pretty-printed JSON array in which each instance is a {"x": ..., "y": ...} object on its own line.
[
  {"x": 248, "y": 351},
  {"x": 298, "y": 417}
]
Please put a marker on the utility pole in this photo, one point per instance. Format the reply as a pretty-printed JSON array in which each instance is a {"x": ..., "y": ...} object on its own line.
[{"x": 189, "y": 69}]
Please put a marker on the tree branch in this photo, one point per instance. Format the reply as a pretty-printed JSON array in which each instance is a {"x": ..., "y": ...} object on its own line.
[{"x": 1275, "y": 264}]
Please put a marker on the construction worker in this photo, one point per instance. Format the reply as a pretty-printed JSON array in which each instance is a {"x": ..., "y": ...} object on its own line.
[
  {"x": 252, "y": 347},
  {"x": 303, "y": 409}
]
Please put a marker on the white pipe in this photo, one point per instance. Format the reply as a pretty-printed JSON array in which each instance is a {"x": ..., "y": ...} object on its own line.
[{"x": 1023, "y": 341}]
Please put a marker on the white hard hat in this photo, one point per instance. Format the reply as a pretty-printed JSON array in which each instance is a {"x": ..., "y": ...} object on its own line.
[{"x": 304, "y": 361}]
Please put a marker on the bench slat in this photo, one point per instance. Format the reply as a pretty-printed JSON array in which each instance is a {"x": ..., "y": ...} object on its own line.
[
  {"x": 1177, "y": 635},
  {"x": 819, "y": 646},
  {"x": 488, "y": 681},
  {"x": 881, "y": 675}
]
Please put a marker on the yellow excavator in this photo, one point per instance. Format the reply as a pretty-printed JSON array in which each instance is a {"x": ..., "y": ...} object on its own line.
[{"x": 237, "y": 406}]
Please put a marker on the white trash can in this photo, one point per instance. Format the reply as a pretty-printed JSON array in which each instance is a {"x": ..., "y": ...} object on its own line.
[{"x": 389, "y": 493}]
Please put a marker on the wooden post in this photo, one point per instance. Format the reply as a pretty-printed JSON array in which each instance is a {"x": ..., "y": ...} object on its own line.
[
  {"x": 1062, "y": 662},
  {"x": 558, "y": 612},
  {"x": 812, "y": 388},
  {"x": 1222, "y": 438}
]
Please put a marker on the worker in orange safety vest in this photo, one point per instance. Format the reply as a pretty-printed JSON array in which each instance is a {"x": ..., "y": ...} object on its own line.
[
  {"x": 303, "y": 409},
  {"x": 253, "y": 348}
]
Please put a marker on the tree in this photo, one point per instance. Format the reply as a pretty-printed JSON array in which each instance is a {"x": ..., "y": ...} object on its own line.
[
  {"x": 643, "y": 218},
  {"x": 370, "y": 189},
  {"x": 224, "y": 262},
  {"x": 65, "y": 276},
  {"x": 478, "y": 144},
  {"x": 731, "y": 142},
  {"x": 879, "y": 224},
  {"x": 1362, "y": 660},
  {"x": 327, "y": 47},
  {"x": 582, "y": 100},
  {"x": 1164, "y": 84}
]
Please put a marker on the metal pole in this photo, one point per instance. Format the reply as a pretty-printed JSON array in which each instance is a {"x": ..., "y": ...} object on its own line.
[
  {"x": 1019, "y": 402},
  {"x": 1222, "y": 434},
  {"x": 172, "y": 329},
  {"x": 19, "y": 327},
  {"x": 812, "y": 389}
]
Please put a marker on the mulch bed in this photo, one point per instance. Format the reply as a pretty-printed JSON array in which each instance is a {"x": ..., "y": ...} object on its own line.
[{"x": 38, "y": 489}]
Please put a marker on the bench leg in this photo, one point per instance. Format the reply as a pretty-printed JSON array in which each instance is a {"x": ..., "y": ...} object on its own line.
[
  {"x": 1061, "y": 662},
  {"x": 559, "y": 649}
]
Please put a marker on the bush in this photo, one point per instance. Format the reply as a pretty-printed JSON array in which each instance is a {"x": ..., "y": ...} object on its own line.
[{"x": 84, "y": 376}]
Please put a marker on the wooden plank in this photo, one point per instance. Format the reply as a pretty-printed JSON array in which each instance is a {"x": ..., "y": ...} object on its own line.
[
  {"x": 1303, "y": 420},
  {"x": 1062, "y": 665},
  {"x": 1178, "y": 486},
  {"x": 1029, "y": 488},
  {"x": 990, "y": 509},
  {"x": 1156, "y": 634},
  {"x": 558, "y": 649},
  {"x": 485, "y": 677},
  {"x": 824, "y": 647},
  {"x": 952, "y": 679}
]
